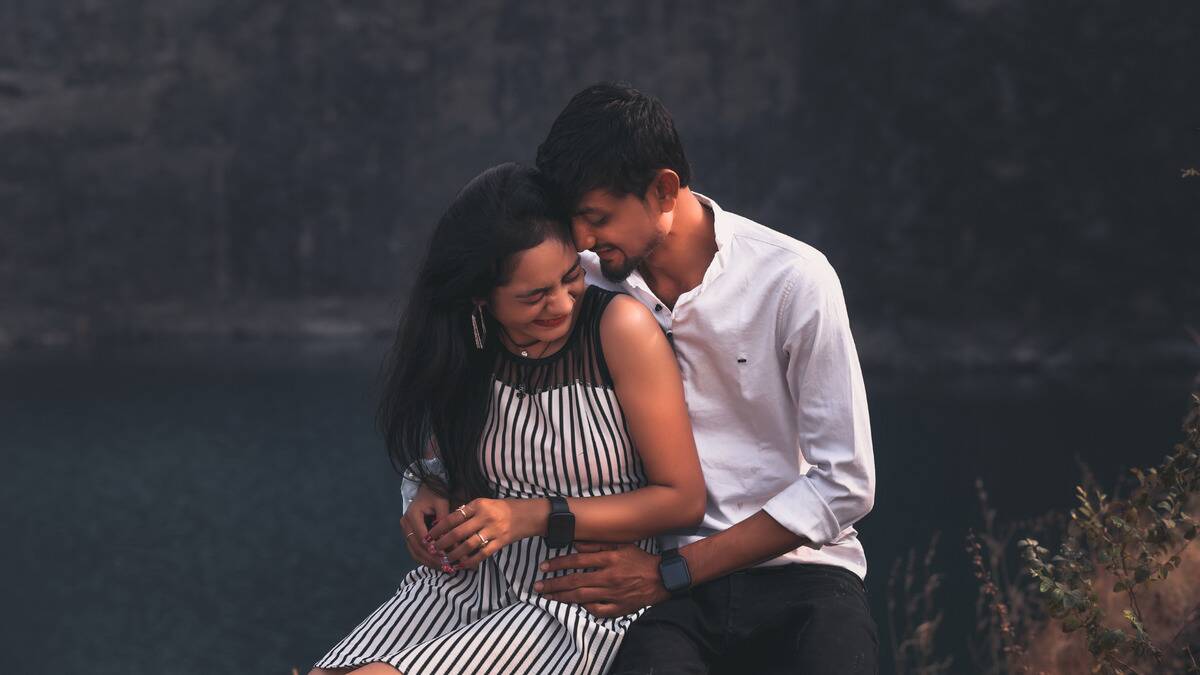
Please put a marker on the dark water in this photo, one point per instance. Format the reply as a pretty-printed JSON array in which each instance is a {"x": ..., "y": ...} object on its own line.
[{"x": 231, "y": 509}]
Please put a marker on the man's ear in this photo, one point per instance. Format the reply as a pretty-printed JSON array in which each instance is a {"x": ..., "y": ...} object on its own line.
[{"x": 664, "y": 189}]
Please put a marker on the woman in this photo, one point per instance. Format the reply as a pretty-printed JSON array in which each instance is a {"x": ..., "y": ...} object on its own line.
[{"x": 528, "y": 386}]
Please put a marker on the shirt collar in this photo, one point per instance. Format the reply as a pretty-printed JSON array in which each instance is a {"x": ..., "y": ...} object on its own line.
[{"x": 721, "y": 225}]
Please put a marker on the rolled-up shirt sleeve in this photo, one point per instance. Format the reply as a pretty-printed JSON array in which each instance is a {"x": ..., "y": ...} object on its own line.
[{"x": 830, "y": 402}]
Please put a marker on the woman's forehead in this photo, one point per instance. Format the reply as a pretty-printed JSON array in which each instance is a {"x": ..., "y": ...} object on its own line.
[{"x": 543, "y": 265}]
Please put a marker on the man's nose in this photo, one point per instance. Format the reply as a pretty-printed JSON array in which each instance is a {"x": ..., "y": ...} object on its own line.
[{"x": 583, "y": 238}]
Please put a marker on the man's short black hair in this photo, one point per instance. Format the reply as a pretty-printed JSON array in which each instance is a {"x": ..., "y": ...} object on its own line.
[{"x": 610, "y": 137}]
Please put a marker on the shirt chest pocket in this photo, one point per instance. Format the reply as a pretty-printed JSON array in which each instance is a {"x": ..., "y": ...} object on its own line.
[
  {"x": 758, "y": 372},
  {"x": 725, "y": 345},
  {"x": 727, "y": 371}
]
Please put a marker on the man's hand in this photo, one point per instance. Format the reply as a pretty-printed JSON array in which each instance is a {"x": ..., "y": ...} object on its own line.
[
  {"x": 622, "y": 579},
  {"x": 426, "y": 503}
]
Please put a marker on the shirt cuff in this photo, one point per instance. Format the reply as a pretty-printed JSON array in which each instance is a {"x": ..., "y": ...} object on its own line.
[
  {"x": 410, "y": 482},
  {"x": 801, "y": 509}
]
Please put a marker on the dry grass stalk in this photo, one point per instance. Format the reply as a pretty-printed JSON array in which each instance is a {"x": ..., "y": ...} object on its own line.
[{"x": 914, "y": 649}]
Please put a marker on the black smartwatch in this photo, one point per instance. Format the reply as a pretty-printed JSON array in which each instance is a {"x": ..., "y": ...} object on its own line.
[
  {"x": 560, "y": 528},
  {"x": 676, "y": 576}
]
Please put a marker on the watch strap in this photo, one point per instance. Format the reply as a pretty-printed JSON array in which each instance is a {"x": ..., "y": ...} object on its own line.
[
  {"x": 558, "y": 505},
  {"x": 560, "y": 526}
]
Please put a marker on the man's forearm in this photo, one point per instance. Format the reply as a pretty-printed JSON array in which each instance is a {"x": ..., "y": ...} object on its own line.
[
  {"x": 618, "y": 580},
  {"x": 756, "y": 539}
]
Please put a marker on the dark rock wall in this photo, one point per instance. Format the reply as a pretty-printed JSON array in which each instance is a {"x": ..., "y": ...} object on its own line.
[{"x": 964, "y": 161}]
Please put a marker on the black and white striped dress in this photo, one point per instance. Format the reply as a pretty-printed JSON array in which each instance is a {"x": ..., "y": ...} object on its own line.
[{"x": 554, "y": 427}]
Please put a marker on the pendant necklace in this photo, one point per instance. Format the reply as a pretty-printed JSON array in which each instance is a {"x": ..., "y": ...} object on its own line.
[
  {"x": 523, "y": 384},
  {"x": 524, "y": 351}
]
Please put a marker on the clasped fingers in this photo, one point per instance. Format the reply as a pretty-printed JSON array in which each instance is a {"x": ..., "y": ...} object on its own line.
[{"x": 470, "y": 533}]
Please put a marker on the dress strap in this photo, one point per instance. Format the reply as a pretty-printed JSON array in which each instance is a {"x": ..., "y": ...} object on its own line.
[{"x": 591, "y": 346}]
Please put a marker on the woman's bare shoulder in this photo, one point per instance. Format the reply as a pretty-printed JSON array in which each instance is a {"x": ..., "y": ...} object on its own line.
[{"x": 627, "y": 319}]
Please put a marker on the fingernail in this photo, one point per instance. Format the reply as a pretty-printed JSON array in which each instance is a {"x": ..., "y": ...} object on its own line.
[
  {"x": 447, "y": 569},
  {"x": 544, "y": 566},
  {"x": 427, "y": 538},
  {"x": 537, "y": 586}
]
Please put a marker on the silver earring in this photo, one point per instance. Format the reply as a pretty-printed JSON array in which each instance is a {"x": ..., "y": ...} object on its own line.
[{"x": 478, "y": 326}]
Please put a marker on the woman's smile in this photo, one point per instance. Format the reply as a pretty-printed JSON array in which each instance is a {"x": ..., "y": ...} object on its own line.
[{"x": 552, "y": 323}]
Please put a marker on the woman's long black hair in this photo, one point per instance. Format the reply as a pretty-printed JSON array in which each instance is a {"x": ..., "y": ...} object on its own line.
[{"x": 436, "y": 383}]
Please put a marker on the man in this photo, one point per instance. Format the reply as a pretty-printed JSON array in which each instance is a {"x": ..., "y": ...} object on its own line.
[{"x": 772, "y": 579}]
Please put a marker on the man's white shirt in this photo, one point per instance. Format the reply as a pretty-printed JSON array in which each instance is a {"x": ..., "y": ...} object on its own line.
[{"x": 773, "y": 388}]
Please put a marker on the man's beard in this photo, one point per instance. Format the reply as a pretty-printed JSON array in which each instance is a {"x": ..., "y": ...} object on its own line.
[
  {"x": 622, "y": 272},
  {"x": 630, "y": 263}
]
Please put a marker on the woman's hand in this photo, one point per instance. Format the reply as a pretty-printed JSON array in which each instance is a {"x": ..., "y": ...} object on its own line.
[
  {"x": 427, "y": 503},
  {"x": 479, "y": 528}
]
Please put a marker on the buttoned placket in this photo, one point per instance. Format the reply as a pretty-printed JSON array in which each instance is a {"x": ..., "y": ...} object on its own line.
[{"x": 666, "y": 316}]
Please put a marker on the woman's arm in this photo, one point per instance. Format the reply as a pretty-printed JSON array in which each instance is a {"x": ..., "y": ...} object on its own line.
[
  {"x": 648, "y": 385},
  {"x": 647, "y": 382}
]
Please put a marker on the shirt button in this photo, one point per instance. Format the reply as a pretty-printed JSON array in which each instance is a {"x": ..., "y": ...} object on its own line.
[{"x": 658, "y": 308}]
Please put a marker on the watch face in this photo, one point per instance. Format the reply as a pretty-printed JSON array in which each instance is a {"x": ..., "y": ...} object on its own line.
[
  {"x": 560, "y": 529},
  {"x": 675, "y": 574}
]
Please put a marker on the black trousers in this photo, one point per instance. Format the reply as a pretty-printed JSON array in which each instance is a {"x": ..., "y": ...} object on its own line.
[{"x": 811, "y": 619}]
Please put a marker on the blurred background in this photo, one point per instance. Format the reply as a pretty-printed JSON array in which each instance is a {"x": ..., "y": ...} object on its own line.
[{"x": 210, "y": 213}]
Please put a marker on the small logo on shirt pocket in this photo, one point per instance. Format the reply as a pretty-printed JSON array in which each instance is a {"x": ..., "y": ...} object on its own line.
[{"x": 749, "y": 376}]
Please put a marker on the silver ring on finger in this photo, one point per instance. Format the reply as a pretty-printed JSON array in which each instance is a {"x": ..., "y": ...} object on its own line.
[
  {"x": 483, "y": 541},
  {"x": 463, "y": 510}
]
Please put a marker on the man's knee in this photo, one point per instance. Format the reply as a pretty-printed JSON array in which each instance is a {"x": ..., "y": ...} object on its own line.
[{"x": 841, "y": 637}]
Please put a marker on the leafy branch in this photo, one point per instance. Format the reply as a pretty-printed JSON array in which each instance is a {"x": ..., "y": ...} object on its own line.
[{"x": 1137, "y": 541}]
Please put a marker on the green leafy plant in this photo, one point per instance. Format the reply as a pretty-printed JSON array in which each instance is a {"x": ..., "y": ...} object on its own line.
[
  {"x": 1118, "y": 595},
  {"x": 1132, "y": 543}
]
